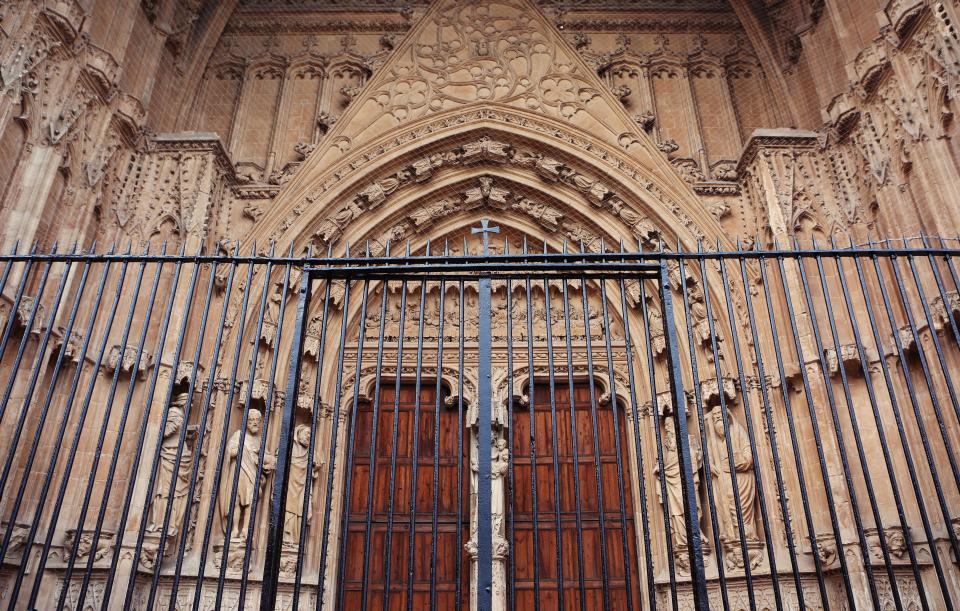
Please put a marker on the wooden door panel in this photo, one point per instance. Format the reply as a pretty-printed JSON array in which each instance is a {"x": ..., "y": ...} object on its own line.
[
  {"x": 396, "y": 463},
  {"x": 591, "y": 453}
]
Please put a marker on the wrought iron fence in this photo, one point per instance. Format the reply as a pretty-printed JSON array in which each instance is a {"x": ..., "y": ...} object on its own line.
[{"x": 481, "y": 425}]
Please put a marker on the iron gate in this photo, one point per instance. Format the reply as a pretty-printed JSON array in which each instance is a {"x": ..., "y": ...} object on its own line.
[{"x": 484, "y": 424}]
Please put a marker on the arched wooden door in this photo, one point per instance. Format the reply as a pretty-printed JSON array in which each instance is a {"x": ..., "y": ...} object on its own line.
[
  {"x": 385, "y": 516},
  {"x": 595, "y": 558}
]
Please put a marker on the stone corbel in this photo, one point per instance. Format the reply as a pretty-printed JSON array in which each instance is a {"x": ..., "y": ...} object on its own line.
[
  {"x": 29, "y": 308},
  {"x": 942, "y": 312},
  {"x": 896, "y": 542},
  {"x": 711, "y": 388},
  {"x": 849, "y": 357},
  {"x": 18, "y": 540},
  {"x": 74, "y": 345},
  {"x": 127, "y": 360},
  {"x": 664, "y": 405},
  {"x": 85, "y": 546},
  {"x": 259, "y": 390}
]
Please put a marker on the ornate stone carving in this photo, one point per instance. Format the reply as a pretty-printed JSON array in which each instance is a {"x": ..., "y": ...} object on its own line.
[
  {"x": 295, "y": 517},
  {"x": 730, "y": 497},
  {"x": 247, "y": 460},
  {"x": 173, "y": 480},
  {"x": 105, "y": 544},
  {"x": 424, "y": 216},
  {"x": 128, "y": 361},
  {"x": 672, "y": 482}
]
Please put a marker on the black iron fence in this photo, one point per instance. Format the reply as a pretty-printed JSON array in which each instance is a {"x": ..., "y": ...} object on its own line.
[{"x": 481, "y": 424}]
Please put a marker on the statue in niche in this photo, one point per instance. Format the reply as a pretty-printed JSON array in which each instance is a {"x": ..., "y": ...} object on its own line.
[
  {"x": 248, "y": 463},
  {"x": 163, "y": 497},
  {"x": 674, "y": 485},
  {"x": 746, "y": 492},
  {"x": 299, "y": 459}
]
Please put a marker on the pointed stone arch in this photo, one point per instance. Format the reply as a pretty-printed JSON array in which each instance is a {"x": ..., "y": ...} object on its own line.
[{"x": 523, "y": 79}]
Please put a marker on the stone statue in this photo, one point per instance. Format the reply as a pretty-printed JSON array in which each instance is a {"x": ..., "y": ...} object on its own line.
[
  {"x": 674, "y": 485},
  {"x": 746, "y": 492},
  {"x": 299, "y": 457},
  {"x": 162, "y": 495},
  {"x": 247, "y": 483}
]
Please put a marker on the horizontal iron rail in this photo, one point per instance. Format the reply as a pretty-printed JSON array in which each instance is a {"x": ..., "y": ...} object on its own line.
[{"x": 648, "y": 257}]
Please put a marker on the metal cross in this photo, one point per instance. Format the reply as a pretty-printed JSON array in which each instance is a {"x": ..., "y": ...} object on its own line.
[{"x": 486, "y": 230}]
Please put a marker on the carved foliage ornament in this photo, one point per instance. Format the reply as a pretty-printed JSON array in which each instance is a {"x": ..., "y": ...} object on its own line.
[{"x": 483, "y": 51}]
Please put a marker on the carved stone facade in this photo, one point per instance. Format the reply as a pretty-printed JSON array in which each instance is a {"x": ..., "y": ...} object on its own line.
[{"x": 258, "y": 126}]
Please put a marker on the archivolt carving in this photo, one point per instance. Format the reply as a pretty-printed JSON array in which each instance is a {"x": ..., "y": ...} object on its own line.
[{"x": 488, "y": 192}]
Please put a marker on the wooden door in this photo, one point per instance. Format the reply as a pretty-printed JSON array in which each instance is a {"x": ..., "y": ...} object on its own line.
[
  {"x": 451, "y": 560},
  {"x": 617, "y": 527}
]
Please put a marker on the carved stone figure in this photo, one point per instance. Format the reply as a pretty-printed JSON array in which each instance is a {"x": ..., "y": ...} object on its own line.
[
  {"x": 168, "y": 474},
  {"x": 299, "y": 457},
  {"x": 547, "y": 216},
  {"x": 428, "y": 213},
  {"x": 746, "y": 491},
  {"x": 248, "y": 462},
  {"x": 674, "y": 486}
]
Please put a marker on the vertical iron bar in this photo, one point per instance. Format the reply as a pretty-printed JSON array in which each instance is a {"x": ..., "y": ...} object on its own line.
[
  {"x": 316, "y": 406},
  {"x": 531, "y": 405},
  {"x": 230, "y": 391},
  {"x": 655, "y": 410},
  {"x": 641, "y": 472},
  {"x": 484, "y": 433},
  {"x": 594, "y": 404},
  {"x": 575, "y": 446},
  {"x": 855, "y": 428},
  {"x": 511, "y": 480},
  {"x": 704, "y": 444},
  {"x": 815, "y": 427},
  {"x": 698, "y": 580},
  {"x": 484, "y": 437},
  {"x": 351, "y": 442},
  {"x": 614, "y": 406},
  {"x": 791, "y": 427},
  {"x": 881, "y": 434},
  {"x": 278, "y": 501},
  {"x": 398, "y": 384},
  {"x": 461, "y": 424},
  {"x": 902, "y": 434},
  {"x": 554, "y": 439},
  {"x": 332, "y": 456},
  {"x": 436, "y": 452},
  {"x": 416, "y": 447}
]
